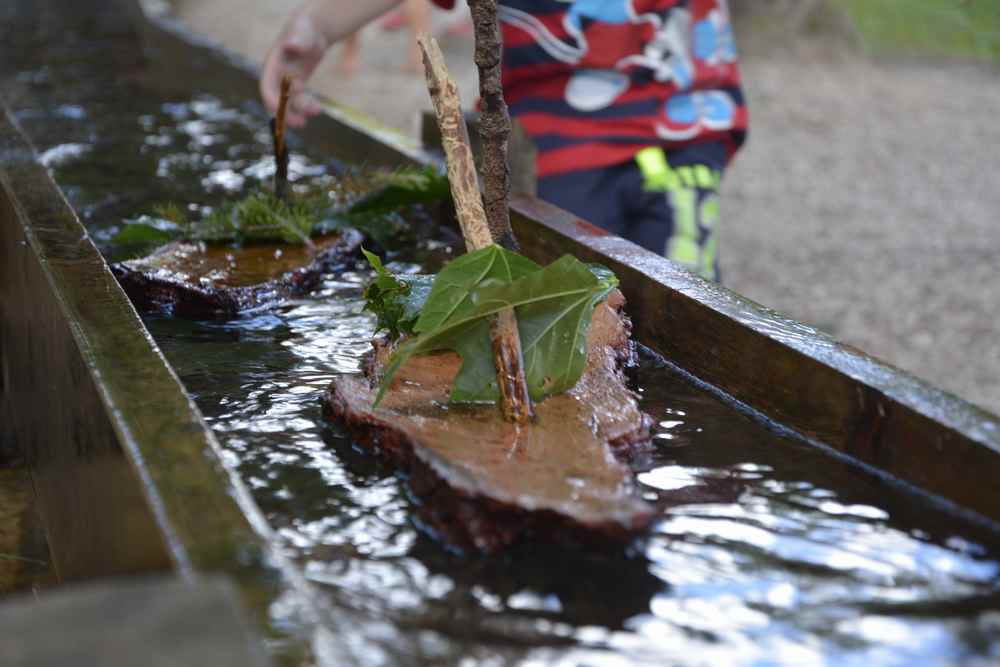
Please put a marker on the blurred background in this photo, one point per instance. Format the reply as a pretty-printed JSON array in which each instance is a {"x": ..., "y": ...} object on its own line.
[{"x": 867, "y": 200}]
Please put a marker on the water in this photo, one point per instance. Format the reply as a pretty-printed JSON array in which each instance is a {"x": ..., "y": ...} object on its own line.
[{"x": 768, "y": 551}]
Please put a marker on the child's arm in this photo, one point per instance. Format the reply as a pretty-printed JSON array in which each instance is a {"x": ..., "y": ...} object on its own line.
[{"x": 311, "y": 29}]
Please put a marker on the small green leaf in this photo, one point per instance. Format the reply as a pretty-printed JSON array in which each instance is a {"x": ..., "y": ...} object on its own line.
[
  {"x": 143, "y": 233},
  {"x": 395, "y": 300},
  {"x": 374, "y": 260},
  {"x": 554, "y": 324},
  {"x": 404, "y": 188}
]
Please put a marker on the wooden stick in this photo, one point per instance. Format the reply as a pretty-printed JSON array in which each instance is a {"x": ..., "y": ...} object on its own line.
[
  {"x": 278, "y": 137},
  {"x": 515, "y": 401},
  {"x": 455, "y": 141},
  {"x": 494, "y": 122}
]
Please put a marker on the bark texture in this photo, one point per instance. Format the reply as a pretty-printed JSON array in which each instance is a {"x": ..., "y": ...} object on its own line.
[{"x": 494, "y": 121}]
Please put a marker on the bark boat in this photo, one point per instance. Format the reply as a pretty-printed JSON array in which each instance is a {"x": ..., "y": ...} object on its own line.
[
  {"x": 485, "y": 483},
  {"x": 199, "y": 280}
]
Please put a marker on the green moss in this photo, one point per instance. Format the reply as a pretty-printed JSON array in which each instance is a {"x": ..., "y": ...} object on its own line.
[
  {"x": 261, "y": 217},
  {"x": 370, "y": 201}
]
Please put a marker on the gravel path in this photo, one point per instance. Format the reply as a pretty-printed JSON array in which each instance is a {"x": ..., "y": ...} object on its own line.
[{"x": 866, "y": 203}]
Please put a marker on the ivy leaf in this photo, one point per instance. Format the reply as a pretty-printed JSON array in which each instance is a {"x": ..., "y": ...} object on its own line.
[
  {"x": 140, "y": 236},
  {"x": 142, "y": 233},
  {"x": 554, "y": 307},
  {"x": 404, "y": 188}
]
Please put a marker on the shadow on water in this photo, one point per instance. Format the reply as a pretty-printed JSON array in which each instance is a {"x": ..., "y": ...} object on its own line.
[{"x": 768, "y": 550}]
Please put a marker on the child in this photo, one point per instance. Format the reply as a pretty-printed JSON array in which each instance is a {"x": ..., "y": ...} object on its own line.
[{"x": 635, "y": 106}]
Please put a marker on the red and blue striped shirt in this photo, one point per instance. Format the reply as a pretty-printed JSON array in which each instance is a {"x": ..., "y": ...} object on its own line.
[{"x": 595, "y": 81}]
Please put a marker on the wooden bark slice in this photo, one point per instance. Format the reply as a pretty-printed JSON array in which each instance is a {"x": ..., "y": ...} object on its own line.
[
  {"x": 485, "y": 483},
  {"x": 199, "y": 280}
]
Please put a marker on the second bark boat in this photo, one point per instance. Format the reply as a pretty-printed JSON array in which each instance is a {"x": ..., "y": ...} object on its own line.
[{"x": 198, "y": 280}]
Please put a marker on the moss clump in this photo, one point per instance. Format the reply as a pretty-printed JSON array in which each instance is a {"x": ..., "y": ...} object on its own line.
[
  {"x": 370, "y": 201},
  {"x": 261, "y": 217}
]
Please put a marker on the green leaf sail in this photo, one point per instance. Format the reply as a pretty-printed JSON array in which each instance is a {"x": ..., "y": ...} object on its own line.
[
  {"x": 554, "y": 323},
  {"x": 450, "y": 294},
  {"x": 553, "y": 305}
]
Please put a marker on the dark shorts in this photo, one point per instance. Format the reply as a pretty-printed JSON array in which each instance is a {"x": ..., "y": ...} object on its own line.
[{"x": 665, "y": 201}]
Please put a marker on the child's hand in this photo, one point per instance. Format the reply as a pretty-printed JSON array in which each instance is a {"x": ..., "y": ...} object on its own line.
[
  {"x": 296, "y": 52},
  {"x": 312, "y": 28}
]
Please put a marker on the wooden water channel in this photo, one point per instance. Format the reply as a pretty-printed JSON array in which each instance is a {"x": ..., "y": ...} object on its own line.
[{"x": 126, "y": 477}]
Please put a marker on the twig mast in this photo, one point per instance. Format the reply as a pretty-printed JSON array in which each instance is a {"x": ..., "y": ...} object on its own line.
[
  {"x": 494, "y": 121},
  {"x": 278, "y": 136},
  {"x": 515, "y": 400}
]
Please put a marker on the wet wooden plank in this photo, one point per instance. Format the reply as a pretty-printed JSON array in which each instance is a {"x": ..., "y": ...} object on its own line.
[
  {"x": 157, "y": 622},
  {"x": 24, "y": 554},
  {"x": 128, "y": 477}
]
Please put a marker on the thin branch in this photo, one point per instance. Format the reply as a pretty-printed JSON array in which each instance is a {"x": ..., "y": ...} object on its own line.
[
  {"x": 494, "y": 121},
  {"x": 278, "y": 137},
  {"x": 455, "y": 141},
  {"x": 515, "y": 400}
]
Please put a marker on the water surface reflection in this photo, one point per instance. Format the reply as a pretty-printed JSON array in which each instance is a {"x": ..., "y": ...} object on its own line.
[{"x": 768, "y": 552}]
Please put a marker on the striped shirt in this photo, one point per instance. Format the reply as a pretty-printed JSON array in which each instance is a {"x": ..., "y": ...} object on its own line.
[{"x": 595, "y": 81}]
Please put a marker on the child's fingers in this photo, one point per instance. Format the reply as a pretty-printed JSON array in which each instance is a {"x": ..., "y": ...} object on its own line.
[
  {"x": 294, "y": 51},
  {"x": 296, "y": 54},
  {"x": 269, "y": 91},
  {"x": 310, "y": 107},
  {"x": 303, "y": 100},
  {"x": 301, "y": 105},
  {"x": 295, "y": 119},
  {"x": 275, "y": 69},
  {"x": 300, "y": 109}
]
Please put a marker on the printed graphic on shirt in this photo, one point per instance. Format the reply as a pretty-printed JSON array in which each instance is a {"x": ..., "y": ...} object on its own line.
[{"x": 687, "y": 115}]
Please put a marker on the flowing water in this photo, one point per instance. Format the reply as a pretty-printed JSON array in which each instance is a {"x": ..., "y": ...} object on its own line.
[{"x": 768, "y": 552}]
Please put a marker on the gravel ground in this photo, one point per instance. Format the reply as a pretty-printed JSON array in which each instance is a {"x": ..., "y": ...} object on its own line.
[{"x": 866, "y": 203}]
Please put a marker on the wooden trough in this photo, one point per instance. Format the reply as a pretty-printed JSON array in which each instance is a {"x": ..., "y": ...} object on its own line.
[{"x": 128, "y": 479}]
